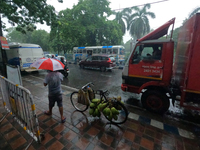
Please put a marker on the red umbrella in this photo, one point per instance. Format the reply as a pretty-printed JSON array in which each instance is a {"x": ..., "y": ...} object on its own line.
[{"x": 48, "y": 64}]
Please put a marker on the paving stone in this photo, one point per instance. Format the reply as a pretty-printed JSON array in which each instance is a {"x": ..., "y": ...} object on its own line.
[{"x": 82, "y": 131}]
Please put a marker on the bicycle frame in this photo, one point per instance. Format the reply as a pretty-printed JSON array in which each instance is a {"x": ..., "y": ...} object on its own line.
[{"x": 119, "y": 117}]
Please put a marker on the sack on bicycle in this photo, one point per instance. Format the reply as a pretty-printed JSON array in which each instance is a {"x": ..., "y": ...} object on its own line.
[
  {"x": 91, "y": 94},
  {"x": 83, "y": 97}
]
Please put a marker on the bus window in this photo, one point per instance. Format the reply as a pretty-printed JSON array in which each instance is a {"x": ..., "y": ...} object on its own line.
[
  {"x": 99, "y": 51},
  {"x": 115, "y": 51},
  {"x": 109, "y": 51},
  {"x": 122, "y": 51},
  {"x": 84, "y": 50},
  {"x": 94, "y": 51},
  {"x": 103, "y": 51},
  {"x": 74, "y": 51},
  {"x": 80, "y": 51}
]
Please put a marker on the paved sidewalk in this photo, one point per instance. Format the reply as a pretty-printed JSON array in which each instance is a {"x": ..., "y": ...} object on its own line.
[{"x": 81, "y": 131}]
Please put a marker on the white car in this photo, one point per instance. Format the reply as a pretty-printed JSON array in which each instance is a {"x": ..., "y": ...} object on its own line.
[{"x": 48, "y": 55}]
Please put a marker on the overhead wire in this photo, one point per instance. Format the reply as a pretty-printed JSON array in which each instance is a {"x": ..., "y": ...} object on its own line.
[{"x": 141, "y": 5}]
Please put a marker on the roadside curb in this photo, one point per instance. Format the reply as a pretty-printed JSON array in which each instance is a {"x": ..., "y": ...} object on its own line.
[{"x": 145, "y": 120}]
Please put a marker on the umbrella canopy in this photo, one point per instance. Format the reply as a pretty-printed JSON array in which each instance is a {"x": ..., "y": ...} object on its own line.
[{"x": 48, "y": 64}]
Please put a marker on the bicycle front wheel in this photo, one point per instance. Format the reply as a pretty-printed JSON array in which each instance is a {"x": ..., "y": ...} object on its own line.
[
  {"x": 78, "y": 106},
  {"x": 122, "y": 115}
]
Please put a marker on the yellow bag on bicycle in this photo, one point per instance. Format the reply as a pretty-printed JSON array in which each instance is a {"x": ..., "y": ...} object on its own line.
[{"x": 83, "y": 97}]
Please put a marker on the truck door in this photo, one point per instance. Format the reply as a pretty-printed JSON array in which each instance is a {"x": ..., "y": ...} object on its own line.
[{"x": 145, "y": 64}]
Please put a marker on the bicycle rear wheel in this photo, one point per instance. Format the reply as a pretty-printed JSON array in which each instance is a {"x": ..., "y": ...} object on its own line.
[
  {"x": 78, "y": 106},
  {"x": 122, "y": 116}
]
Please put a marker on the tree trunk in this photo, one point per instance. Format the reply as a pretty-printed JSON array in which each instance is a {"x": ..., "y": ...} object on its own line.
[
  {"x": 1, "y": 31},
  {"x": 2, "y": 62}
]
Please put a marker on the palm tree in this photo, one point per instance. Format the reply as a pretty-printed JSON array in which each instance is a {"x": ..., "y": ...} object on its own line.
[
  {"x": 138, "y": 23},
  {"x": 194, "y": 12},
  {"x": 122, "y": 16}
]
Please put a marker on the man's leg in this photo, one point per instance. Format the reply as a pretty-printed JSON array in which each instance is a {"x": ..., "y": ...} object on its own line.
[
  {"x": 51, "y": 105},
  {"x": 50, "y": 110},
  {"x": 61, "y": 113},
  {"x": 60, "y": 105}
]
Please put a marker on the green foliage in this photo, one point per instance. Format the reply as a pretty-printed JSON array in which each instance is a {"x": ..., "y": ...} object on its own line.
[
  {"x": 138, "y": 23},
  {"x": 175, "y": 36},
  {"x": 196, "y": 10},
  {"x": 127, "y": 46},
  {"x": 122, "y": 18},
  {"x": 136, "y": 19},
  {"x": 25, "y": 13},
  {"x": 40, "y": 37},
  {"x": 85, "y": 24}
]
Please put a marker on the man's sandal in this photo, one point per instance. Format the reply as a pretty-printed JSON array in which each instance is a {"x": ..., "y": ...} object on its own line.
[{"x": 63, "y": 121}]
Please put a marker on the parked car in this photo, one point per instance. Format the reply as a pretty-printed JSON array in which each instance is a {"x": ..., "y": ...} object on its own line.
[{"x": 102, "y": 62}]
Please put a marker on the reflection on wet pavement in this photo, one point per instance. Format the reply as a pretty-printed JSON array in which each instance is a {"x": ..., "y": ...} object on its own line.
[{"x": 143, "y": 130}]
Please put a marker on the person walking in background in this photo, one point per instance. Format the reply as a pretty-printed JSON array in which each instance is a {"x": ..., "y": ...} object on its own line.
[
  {"x": 53, "y": 80},
  {"x": 53, "y": 56},
  {"x": 62, "y": 60},
  {"x": 56, "y": 56}
]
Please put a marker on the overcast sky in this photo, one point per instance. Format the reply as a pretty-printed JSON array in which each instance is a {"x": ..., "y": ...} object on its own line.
[{"x": 163, "y": 9}]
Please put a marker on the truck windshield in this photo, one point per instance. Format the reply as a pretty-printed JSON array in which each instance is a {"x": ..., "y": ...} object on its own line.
[{"x": 147, "y": 51}]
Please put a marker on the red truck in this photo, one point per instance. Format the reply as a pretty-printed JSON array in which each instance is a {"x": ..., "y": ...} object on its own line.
[{"x": 153, "y": 70}]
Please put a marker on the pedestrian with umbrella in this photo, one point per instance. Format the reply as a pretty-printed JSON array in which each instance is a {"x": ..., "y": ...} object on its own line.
[{"x": 53, "y": 80}]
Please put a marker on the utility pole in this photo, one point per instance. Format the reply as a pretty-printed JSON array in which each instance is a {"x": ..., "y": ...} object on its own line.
[{"x": 1, "y": 32}]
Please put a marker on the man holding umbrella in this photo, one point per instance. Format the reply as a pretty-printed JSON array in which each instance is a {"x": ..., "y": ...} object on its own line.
[{"x": 53, "y": 80}]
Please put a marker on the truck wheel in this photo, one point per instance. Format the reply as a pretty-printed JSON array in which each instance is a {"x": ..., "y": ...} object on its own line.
[{"x": 155, "y": 101}]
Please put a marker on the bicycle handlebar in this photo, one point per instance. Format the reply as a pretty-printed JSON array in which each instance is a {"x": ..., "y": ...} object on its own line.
[
  {"x": 88, "y": 84},
  {"x": 100, "y": 92}
]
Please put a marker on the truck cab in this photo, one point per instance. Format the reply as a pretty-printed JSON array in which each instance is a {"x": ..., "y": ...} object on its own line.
[
  {"x": 153, "y": 70},
  {"x": 149, "y": 64},
  {"x": 149, "y": 69}
]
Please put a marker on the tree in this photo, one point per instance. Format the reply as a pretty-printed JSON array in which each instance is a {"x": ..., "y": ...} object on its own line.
[
  {"x": 194, "y": 12},
  {"x": 85, "y": 24},
  {"x": 40, "y": 37},
  {"x": 138, "y": 22},
  {"x": 122, "y": 18},
  {"x": 25, "y": 13},
  {"x": 15, "y": 36}
]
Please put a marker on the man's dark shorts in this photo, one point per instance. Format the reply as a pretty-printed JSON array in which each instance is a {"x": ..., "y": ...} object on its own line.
[{"x": 55, "y": 98}]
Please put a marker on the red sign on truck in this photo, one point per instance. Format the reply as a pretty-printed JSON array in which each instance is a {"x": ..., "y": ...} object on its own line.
[{"x": 4, "y": 43}]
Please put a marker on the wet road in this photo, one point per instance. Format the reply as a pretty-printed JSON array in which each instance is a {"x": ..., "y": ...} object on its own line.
[{"x": 111, "y": 81}]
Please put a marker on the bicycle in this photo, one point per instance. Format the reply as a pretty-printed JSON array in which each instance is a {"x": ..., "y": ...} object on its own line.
[{"x": 117, "y": 113}]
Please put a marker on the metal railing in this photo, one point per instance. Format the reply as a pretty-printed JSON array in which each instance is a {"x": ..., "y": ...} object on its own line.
[{"x": 18, "y": 102}]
